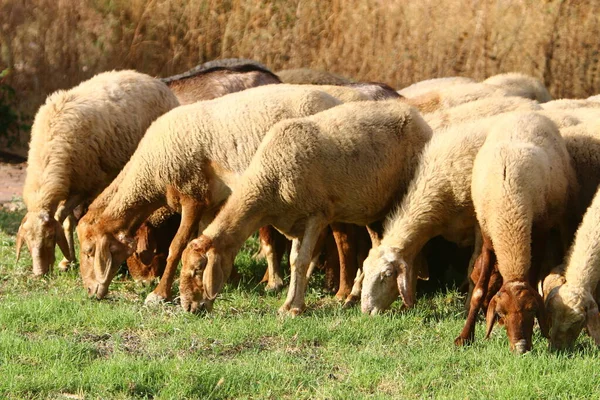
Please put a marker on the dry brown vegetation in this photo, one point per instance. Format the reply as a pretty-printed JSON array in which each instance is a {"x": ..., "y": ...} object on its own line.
[{"x": 52, "y": 44}]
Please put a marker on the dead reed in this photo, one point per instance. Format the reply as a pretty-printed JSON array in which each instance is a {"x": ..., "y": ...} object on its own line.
[{"x": 53, "y": 44}]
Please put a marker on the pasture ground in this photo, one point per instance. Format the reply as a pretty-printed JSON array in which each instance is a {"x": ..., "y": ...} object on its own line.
[{"x": 56, "y": 343}]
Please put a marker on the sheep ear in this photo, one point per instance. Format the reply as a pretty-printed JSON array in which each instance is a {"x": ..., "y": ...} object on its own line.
[
  {"x": 542, "y": 316},
  {"x": 491, "y": 317},
  {"x": 61, "y": 240},
  {"x": 406, "y": 281},
  {"x": 103, "y": 259},
  {"x": 146, "y": 246},
  {"x": 20, "y": 237},
  {"x": 212, "y": 277},
  {"x": 593, "y": 322}
]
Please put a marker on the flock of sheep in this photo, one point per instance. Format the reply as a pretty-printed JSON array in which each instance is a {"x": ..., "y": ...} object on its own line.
[{"x": 186, "y": 168}]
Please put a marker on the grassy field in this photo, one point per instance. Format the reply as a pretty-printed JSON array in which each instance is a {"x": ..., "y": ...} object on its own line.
[{"x": 56, "y": 343}]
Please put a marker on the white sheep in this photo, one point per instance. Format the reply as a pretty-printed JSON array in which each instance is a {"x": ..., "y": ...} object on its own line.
[
  {"x": 595, "y": 98},
  {"x": 80, "y": 140},
  {"x": 573, "y": 305},
  {"x": 569, "y": 104},
  {"x": 308, "y": 173},
  {"x": 430, "y": 85},
  {"x": 477, "y": 109},
  {"x": 456, "y": 95},
  {"x": 438, "y": 202},
  {"x": 521, "y": 187},
  {"x": 521, "y": 85},
  {"x": 189, "y": 159}
]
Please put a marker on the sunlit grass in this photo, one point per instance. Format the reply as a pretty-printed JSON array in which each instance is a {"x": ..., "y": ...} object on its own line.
[{"x": 57, "y": 343}]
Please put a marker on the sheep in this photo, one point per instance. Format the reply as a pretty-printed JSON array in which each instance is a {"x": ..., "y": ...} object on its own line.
[
  {"x": 573, "y": 304},
  {"x": 595, "y": 98},
  {"x": 569, "y": 104},
  {"x": 483, "y": 108},
  {"x": 583, "y": 144},
  {"x": 448, "y": 97},
  {"x": 522, "y": 182},
  {"x": 218, "y": 78},
  {"x": 308, "y": 173},
  {"x": 438, "y": 202},
  {"x": 431, "y": 85},
  {"x": 80, "y": 140},
  {"x": 522, "y": 85},
  {"x": 205, "y": 82},
  {"x": 304, "y": 76},
  {"x": 188, "y": 160}
]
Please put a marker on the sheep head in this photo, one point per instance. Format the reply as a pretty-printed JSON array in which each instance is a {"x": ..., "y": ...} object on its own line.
[
  {"x": 41, "y": 233},
  {"x": 203, "y": 274},
  {"x": 101, "y": 255},
  {"x": 387, "y": 275},
  {"x": 517, "y": 304},
  {"x": 571, "y": 309}
]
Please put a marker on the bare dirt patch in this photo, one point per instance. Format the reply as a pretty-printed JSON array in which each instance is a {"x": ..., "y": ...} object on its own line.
[{"x": 12, "y": 177}]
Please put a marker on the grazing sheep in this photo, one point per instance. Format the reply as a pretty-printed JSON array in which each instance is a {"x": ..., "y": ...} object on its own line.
[
  {"x": 572, "y": 305},
  {"x": 456, "y": 95},
  {"x": 438, "y": 202},
  {"x": 522, "y": 85},
  {"x": 205, "y": 82},
  {"x": 80, "y": 140},
  {"x": 569, "y": 104},
  {"x": 477, "y": 109},
  {"x": 595, "y": 98},
  {"x": 431, "y": 85},
  {"x": 305, "y": 76},
  {"x": 521, "y": 188},
  {"x": 583, "y": 144},
  {"x": 307, "y": 174},
  {"x": 219, "y": 77},
  {"x": 188, "y": 160}
]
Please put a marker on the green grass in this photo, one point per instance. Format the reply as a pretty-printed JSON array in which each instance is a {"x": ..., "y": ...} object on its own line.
[{"x": 57, "y": 343}]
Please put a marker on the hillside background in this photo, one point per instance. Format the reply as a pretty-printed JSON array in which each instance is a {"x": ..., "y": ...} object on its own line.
[{"x": 53, "y": 44}]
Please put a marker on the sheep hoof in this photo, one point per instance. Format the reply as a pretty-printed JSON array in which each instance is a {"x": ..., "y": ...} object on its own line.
[
  {"x": 351, "y": 301},
  {"x": 342, "y": 295},
  {"x": 64, "y": 265},
  {"x": 274, "y": 286},
  {"x": 460, "y": 341},
  {"x": 154, "y": 299},
  {"x": 287, "y": 310}
]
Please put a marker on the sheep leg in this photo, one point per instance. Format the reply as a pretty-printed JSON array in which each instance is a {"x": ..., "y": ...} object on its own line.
[
  {"x": 273, "y": 245},
  {"x": 483, "y": 268},
  {"x": 191, "y": 211},
  {"x": 319, "y": 246},
  {"x": 374, "y": 232},
  {"x": 301, "y": 255},
  {"x": 68, "y": 228},
  {"x": 64, "y": 215},
  {"x": 345, "y": 239},
  {"x": 476, "y": 252},
  {"x": 332, "y": 263}
]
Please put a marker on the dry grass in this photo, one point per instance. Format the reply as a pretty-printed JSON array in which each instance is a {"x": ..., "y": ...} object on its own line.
[{"x": 56, "y": 44}]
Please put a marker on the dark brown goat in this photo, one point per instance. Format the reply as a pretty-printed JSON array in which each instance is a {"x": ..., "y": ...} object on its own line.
[{"x": 218, "y": 78}]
